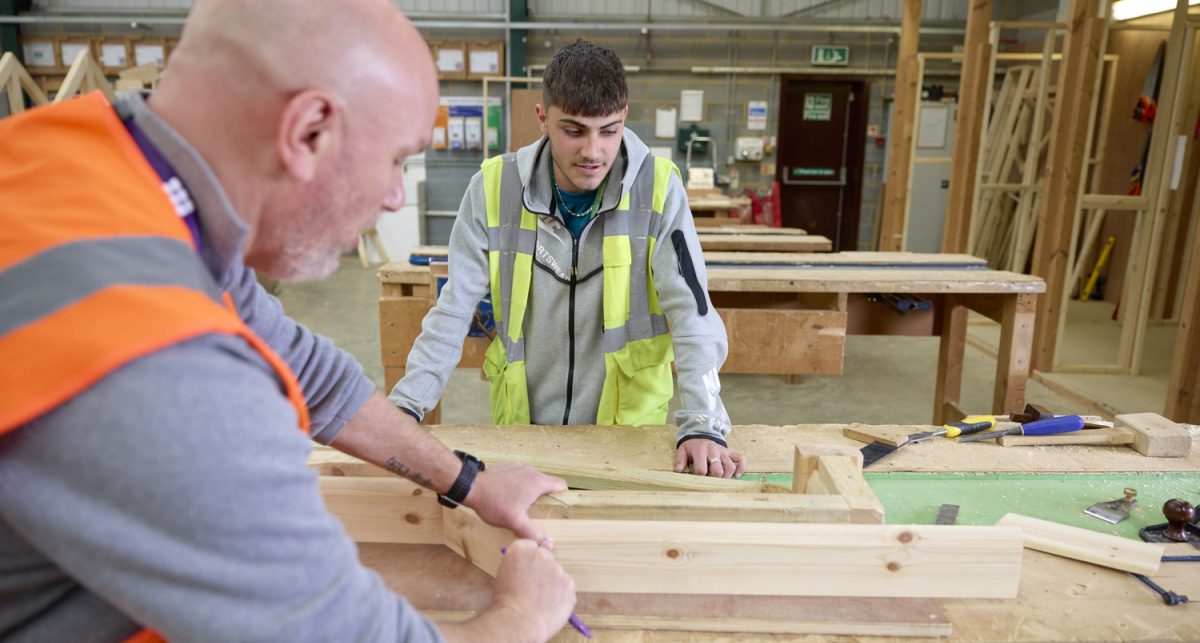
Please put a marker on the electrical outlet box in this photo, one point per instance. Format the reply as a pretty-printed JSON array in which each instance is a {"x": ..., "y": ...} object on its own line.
[{"x": 748, "y": 148}]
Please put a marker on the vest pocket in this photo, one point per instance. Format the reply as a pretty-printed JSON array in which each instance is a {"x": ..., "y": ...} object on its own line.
[
  {"x": 509, "y": 395},
  {"x": 643, "y": 381}
]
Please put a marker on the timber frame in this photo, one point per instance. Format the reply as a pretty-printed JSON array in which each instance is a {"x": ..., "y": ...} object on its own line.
[{"x": 823, "y": 538}]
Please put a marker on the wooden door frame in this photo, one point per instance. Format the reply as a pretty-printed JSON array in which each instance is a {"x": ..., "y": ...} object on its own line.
[{"x": 855, "y": 148}]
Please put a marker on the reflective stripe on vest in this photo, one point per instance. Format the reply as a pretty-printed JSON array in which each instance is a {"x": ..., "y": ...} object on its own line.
[
  {"x": 96, "y": 268},
  {"x": 637, "y": 344}
]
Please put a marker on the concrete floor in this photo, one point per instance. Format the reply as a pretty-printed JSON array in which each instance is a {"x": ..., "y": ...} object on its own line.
[
  {"x": 1091, "y": 336},
  {"x": 887, "y": 380}
]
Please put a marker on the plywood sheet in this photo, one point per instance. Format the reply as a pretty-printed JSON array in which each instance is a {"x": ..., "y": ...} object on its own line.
[{"x": 784, "y": 341}]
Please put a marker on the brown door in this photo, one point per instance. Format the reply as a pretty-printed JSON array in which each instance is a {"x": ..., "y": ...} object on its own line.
[{"x": 822, "y": 129}]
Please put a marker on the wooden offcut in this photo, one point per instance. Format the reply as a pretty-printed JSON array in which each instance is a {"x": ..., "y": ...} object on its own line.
[
  {"x": 1086, "y": 545},
  {"x": 1156, "y": 436},
  {"x": 831, "y": 470}
]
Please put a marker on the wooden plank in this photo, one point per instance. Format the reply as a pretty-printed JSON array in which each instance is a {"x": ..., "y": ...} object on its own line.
[
  {"x": 906, "y": 94},
  {"x": 687, "y": 505},
  {"x": 764, "y": 559},
  {"x": 1012, "y": 358},
  {"x": 1082, "y": 51},
  {"x": 865, "y": 259},
  {"x": 765, "y": 243},
  {"x": 587, "y": 475},
  {"x": 784, "y": 341},
  {"x": 972, "y": 107},
  {"x": 867, "y": 280},
  {"x": 1086, "y": 545},
  {"x": 1110, "y": 437},
  {"x": 750, "y": 229},
  {"x": 1183, "y": 388},
  {"x": 770, "y": 449},
  {"x": 384, "y": 510},
  {"x": 1156, "y": 436},
  {"x": 890, "y": 434},
  {"x": 424, "y": 573},
  {"x": 951, "y": 349}
]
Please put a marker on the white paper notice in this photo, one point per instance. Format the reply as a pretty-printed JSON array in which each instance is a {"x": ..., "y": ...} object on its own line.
[
  {"x": 149, "y": 54},
  {"x": 691, "y": 105},
  {"x": 932, "y": 127},
  {"x": 485, "y": 62},
  {"x": 664, "y": 122},
  {"x": 70, "y": 51},
  {"x": 1177, "y": 170},
  {"x": 39, "y": 54},
  {"x": 756, "y": 114},
  {"x": 456, "y": 132},
  {"x": 450, "y": 60},
  {"x": 474, "y": 132},
  {"x": 113, "y": 56}
]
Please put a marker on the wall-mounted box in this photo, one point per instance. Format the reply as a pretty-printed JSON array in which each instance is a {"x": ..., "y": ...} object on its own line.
[
  {"x": 69, "y": 48},
  {"x": 451, "y": 59},
  {"x": 40, "y": 52},
  {"x": 485, "y": 59},
  {"x": 113, "y": 54}
]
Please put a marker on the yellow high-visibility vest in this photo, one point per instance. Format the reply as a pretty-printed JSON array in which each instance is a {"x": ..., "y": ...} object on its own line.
[{"x": 638, "y": 382}]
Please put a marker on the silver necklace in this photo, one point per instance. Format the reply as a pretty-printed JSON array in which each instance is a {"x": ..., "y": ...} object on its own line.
[{"x": 563, "y": 202}]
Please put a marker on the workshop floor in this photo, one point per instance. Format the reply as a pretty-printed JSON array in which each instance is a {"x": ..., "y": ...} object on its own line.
[{"x": 887, "y": 380}]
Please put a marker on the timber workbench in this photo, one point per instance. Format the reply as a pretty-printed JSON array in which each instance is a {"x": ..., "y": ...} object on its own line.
[
  {"x": 789, "y": 313},
  {"x": 1057, "y": 599}
]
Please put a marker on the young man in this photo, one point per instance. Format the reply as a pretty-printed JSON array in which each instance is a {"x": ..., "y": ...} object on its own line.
[
  {"x": 156, "y": 406},
  {"x": 587, "y": 246}
]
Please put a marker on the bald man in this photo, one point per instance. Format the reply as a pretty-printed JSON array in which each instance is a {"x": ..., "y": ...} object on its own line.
[{"x": 154, "y": 401}]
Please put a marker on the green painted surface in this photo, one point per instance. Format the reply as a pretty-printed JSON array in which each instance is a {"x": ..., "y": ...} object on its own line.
[{"x": 914, "y": 498}]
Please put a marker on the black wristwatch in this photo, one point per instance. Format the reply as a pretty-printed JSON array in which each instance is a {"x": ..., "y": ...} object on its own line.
[{"x": 471, "y": 466}]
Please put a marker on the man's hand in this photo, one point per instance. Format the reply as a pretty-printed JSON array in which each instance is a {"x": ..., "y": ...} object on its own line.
[
  {"x": 532, "y": 599},
  {"x": 709, "y": 459},
  {"x": 503, "y": 493}
]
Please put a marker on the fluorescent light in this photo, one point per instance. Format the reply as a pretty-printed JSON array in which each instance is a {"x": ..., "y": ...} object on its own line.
[{"x": 1130, "y": 9}]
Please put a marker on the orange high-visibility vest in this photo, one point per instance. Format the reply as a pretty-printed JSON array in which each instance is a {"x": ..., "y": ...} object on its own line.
[{"x": 96, "y": 267}]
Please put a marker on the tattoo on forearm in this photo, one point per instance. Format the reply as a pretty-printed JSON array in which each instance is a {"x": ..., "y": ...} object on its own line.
[{"x": 399, "y": 468}]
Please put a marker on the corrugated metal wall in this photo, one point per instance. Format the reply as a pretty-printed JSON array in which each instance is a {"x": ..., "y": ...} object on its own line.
[
  {"x": 666, "y": 58},
  {"x": 933, "y": 10}
]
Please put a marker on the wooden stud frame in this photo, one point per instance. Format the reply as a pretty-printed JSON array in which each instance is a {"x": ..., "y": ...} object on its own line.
[
  {"x": 1150, "y": 211},
  {"x": 751, "y": 544}
]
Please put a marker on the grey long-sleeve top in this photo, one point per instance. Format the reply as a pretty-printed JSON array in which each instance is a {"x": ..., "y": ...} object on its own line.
[{"x": 174, "y": 494}]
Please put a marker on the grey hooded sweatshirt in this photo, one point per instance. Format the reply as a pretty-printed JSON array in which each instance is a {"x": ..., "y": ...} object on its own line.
[{"x": 564, "y": 349}]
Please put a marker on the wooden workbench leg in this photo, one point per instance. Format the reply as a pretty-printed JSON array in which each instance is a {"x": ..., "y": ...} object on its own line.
[
  {"x": 950, "y": 361},
  {"x": 1012, "y": 360}
]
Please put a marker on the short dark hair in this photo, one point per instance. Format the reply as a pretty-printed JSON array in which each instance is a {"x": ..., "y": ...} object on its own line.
[{"x": 585, "y": 79}]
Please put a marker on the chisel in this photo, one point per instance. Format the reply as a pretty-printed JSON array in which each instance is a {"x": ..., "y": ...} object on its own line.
[{"x": 1052, "y": 426}]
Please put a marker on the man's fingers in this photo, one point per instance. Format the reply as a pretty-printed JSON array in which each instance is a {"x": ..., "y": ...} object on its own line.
[
  {"x": 741, "y": 463},
  {"x": 680, "y": 459},
  {"x": 699, "y": 464},
  {"x": 523, "y": 527},
  {"x": 728, "y": 467},
  {"x": 552, "y": 484}
]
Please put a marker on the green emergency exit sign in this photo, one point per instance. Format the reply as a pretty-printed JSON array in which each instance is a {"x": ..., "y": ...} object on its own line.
[{"x": 830, "y": 55}]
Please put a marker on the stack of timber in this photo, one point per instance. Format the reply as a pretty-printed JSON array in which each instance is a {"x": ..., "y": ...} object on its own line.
[{"x": 1013, "y": 151}]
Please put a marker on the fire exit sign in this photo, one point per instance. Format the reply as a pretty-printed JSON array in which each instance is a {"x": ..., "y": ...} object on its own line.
[{"x": 831, "y": 55}]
